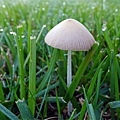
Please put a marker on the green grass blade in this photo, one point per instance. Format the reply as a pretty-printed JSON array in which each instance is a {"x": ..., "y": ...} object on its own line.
[
  {"x": 61, "y": 73},
  {"x": 32, "y": 76},
  {"x": 20, "y": 53},
  {"x": 26, "y": 60},
  {"x": 8, "y": 113},
  {"x": 24, "y": 110},
  {"x": 108, "y": 40},
  {"x": 90, "y": 110},
  {"x": 116, "y": 79},
  {"x": 1, "y": 92},
  {"x": 29, "y": 34},
  {"x": 113, "y": 78},
  {"x": 58, "y": 105},
  {"x": 53, "y": 99},
  {"x": 39, "y": 35},
  {"x": 97, "y": 88},
  {"x": 50, "y": 69},
  {"x": 72, "y": 115},
  {"x": 40, "y": 93},
  {"x": 114, "y": 104},
  {"x": 2, "y": 116}
]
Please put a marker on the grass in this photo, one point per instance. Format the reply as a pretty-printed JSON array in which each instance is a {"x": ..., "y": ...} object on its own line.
[{"x": 33, "y": 74}]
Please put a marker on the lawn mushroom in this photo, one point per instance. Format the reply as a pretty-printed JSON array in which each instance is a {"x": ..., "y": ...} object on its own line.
[{"x": 70, "y": 35}]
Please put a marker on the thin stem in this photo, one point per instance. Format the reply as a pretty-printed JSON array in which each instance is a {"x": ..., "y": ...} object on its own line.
[
  {"x": 69, "y": 69},
  {"x": 20, "y": 52},
  {"x": 69, "y": 79}
]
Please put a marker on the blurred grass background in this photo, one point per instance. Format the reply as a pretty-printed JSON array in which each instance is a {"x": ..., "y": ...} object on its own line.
[{"x": 32, "y": 70}]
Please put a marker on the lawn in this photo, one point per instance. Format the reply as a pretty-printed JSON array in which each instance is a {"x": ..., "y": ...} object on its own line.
[{"x": 33, "y": 75}]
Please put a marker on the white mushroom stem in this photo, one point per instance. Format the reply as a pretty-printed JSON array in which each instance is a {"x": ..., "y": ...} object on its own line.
[
  {"x": 69, "y": 69},
  {"x": 69, "y": 78}
]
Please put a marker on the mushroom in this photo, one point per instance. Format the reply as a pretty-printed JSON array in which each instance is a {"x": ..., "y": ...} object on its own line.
[{"x": 70, "y": 35}]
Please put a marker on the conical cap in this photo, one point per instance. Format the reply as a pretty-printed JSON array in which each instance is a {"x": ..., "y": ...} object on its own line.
[{"x": 70, "y": 35}]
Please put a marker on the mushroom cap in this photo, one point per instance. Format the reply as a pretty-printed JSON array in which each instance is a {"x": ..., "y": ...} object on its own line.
[{"x": 70, "y": 35}]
